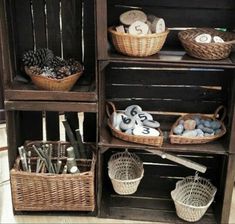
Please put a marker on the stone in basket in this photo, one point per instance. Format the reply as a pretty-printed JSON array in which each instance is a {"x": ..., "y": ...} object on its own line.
[
  {"x": 218, "y": 48},
  {"x": 198, "y": 128},
  {"x": 125, "y": 171},
  {"x": 139, "y": 134}
]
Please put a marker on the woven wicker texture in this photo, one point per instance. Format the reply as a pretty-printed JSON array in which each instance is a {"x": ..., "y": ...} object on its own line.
[
  {"x": 57, "y": 192},
  {"x": 136, "y": 45},
  {"x": 207, "y": 51},
  {"x": 192, "y": 197},
  {"x": 178, "y": 139},
  {"x": 145, "y": 140},
  {"x": 46, "y": 83},
  {"x": 125, "y": 171}
]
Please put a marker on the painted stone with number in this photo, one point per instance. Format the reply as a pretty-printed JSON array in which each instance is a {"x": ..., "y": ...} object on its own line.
[
  {"x": 145, "y": 131},
  {"x": 117, "y": 118},
  {"x": 131, "y": 16},
  {"x": 133, "y": 110},
  {"x": 129, "y": 131},
  {"x": 151, "y": 123},
  {"x": 138, "y": 28},
  {"x": 144, "y": 116},
  {"x": 127, "y": 123}
]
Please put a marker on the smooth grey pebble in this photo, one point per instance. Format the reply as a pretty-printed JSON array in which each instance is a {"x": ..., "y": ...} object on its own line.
[
  {"x": 178, "y": 130},
  {"x": 189, "y": 133},
  {"x": 215, "y": 125},
  {"x": 151, "y": 123}
]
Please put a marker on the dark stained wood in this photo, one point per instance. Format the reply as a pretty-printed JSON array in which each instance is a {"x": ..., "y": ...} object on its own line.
[
  {"x": 71, "y": 13},
  {"x": 52, "y": 126},
  {"x": 50, "y": 106},
  {"x": 53, "y": 26},
  {"x": 89, "y": 127},
  {"x": 73, "y": 121},
  {"x": 39, "y": 20}
]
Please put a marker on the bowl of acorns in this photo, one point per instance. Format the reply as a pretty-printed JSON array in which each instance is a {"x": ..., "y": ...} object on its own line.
[
  {"x": 138, "y": 34},
  {"x": 49, "y": 72}
]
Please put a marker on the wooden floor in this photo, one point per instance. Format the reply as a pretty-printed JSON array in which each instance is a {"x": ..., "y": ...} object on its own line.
[{"x": 6, "y": 214}]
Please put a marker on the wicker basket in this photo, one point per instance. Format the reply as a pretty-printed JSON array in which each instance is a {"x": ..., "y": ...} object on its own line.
[
  {"x": 192, "y": 197},
  {"x": 46, "y": 83},
  {"x": 178, "y": 139},
  {"x": 137, "y": 45},
  {"x": 207, "y": 51},
  {"x": 125, "y": 171},
  {"x": 145, "y": 140},
  {"x": 54, "y": 192}
]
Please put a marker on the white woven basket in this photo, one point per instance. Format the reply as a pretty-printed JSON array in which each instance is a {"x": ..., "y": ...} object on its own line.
[
  {"x": 125, "y": 171},
  {"x": 192, "y": 197}
]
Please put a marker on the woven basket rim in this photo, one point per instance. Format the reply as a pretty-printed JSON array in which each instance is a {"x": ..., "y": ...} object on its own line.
[
  {"x": 200, "y": 31},
  {"x": 111, "y": 30},
  {"x": 125, "y": 181},
  {"x": 54, "y": 80},
  {"x": 172, "y": 135},
  {"x": 191, "y": 206}
]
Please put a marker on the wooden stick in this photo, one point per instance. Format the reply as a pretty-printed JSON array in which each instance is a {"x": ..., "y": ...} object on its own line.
[
  {"x": 81, "y": 145},
  {"x": 185, "y": 162}
]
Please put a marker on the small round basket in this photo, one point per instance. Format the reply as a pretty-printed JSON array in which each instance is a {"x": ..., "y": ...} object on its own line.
[
  {"x": 207, "y": 51},
  {"x": 192, "y": 197},
  {"x": 45, "y": 83},
  {"x": 125, "y": 171},
  {"x": 138, "y": 45}
]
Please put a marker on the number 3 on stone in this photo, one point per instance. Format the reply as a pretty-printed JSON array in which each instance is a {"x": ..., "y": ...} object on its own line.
[{"x": 146, "y": 130}]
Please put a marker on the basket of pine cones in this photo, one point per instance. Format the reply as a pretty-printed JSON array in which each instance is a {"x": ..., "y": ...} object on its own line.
[{"x": 49, "y": 72}]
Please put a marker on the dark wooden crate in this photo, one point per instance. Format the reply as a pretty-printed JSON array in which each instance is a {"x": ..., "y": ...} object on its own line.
[
  {"x": 66, "y": 27},
  {"x": 168, "y": 92},
  {"x": 152, "y": 201},
  {"x": 177, "y": 14},
  {"x": 28, "y": 122}
]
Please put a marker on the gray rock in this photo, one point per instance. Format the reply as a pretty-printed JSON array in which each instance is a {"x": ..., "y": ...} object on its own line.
[
  {"x": 181, "y": 121},
  {"x": 208, "y": 130},
  {"x": 208, "y": 135},
  {"x": 178, "y": 130},
  {"x": 218, "y": 131},
  {"x": 215, "y": 125},
  {"x": 200, "y": 133},
  {"x": 189, "y": 133},
  {"x": 189, "y": 124},
  {"x": 207, "y": 124}
]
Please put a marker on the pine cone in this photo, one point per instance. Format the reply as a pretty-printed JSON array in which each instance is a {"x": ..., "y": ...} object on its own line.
[
  {"x": 41, "y": 57},
  {"x": 57, "y": 62}
]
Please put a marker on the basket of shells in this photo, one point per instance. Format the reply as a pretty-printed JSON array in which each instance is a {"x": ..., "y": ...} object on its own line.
[
  {"x": 207, "y": 43},
  {"x": 138, "y": 34},
  {"x": 134, "y": 125},
  {"x": 49, "y": 72},
  {"x": 198, "y": 128}
]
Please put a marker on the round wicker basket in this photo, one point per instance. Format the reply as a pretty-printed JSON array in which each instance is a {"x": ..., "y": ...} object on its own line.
[
  {"x": 207, "y": 51},
  {"x": 137, "y": 45},
  {"x": 192, "y": 197},
  {"x": 125, "y": 171},
  {"x": 46, "y": 83}
]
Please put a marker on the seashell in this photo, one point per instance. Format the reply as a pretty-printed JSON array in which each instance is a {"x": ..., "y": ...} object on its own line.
[
  {"x": 127, "y": 123},
  {"x": 133, "y": 110},
  {"x": 218, "y": 39},
  {"x": 145, "y": 131},
  {"x": 203, "y": 38},
  {"x": 144, "y": 116},
  {"x": 189, "y": 124},
  {"x": 151, "y": 123},
  {"x": 178, "y": 130}
]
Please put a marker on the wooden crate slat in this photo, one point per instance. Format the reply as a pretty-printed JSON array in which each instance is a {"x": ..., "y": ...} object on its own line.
[
  {"x": 30, "y": 125},
  {"x": 39, "y": 20},
  {"x": 213, "y": 4},
  {"x": 52, "y": 126},
  {"x": 71, "y": 12},
  {"x": 53, "y": 26}
]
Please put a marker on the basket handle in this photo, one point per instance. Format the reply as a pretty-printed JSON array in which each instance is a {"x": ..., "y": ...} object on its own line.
[
  {"x": 110, "y": 108},
  {"x": 216, "y": 113}
]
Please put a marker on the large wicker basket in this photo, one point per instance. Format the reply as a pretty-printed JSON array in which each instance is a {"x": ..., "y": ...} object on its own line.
[
  {"x": 46, "y": 83},
  {"x": 137, "y": 45},
  {"x": 54, "y": 192},
  {"x": 192, "y": 197},
  {"x": 207, "y": 51},
  {"x": 178, "y": 139},
  {"x": 145, "y": 140},
  {"x": 125, "y": 171}
]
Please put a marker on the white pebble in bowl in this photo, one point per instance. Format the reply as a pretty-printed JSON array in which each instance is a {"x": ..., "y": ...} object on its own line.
[
  {"x": 203, "y": 38},
  {"x": 145, "y": 131}
]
